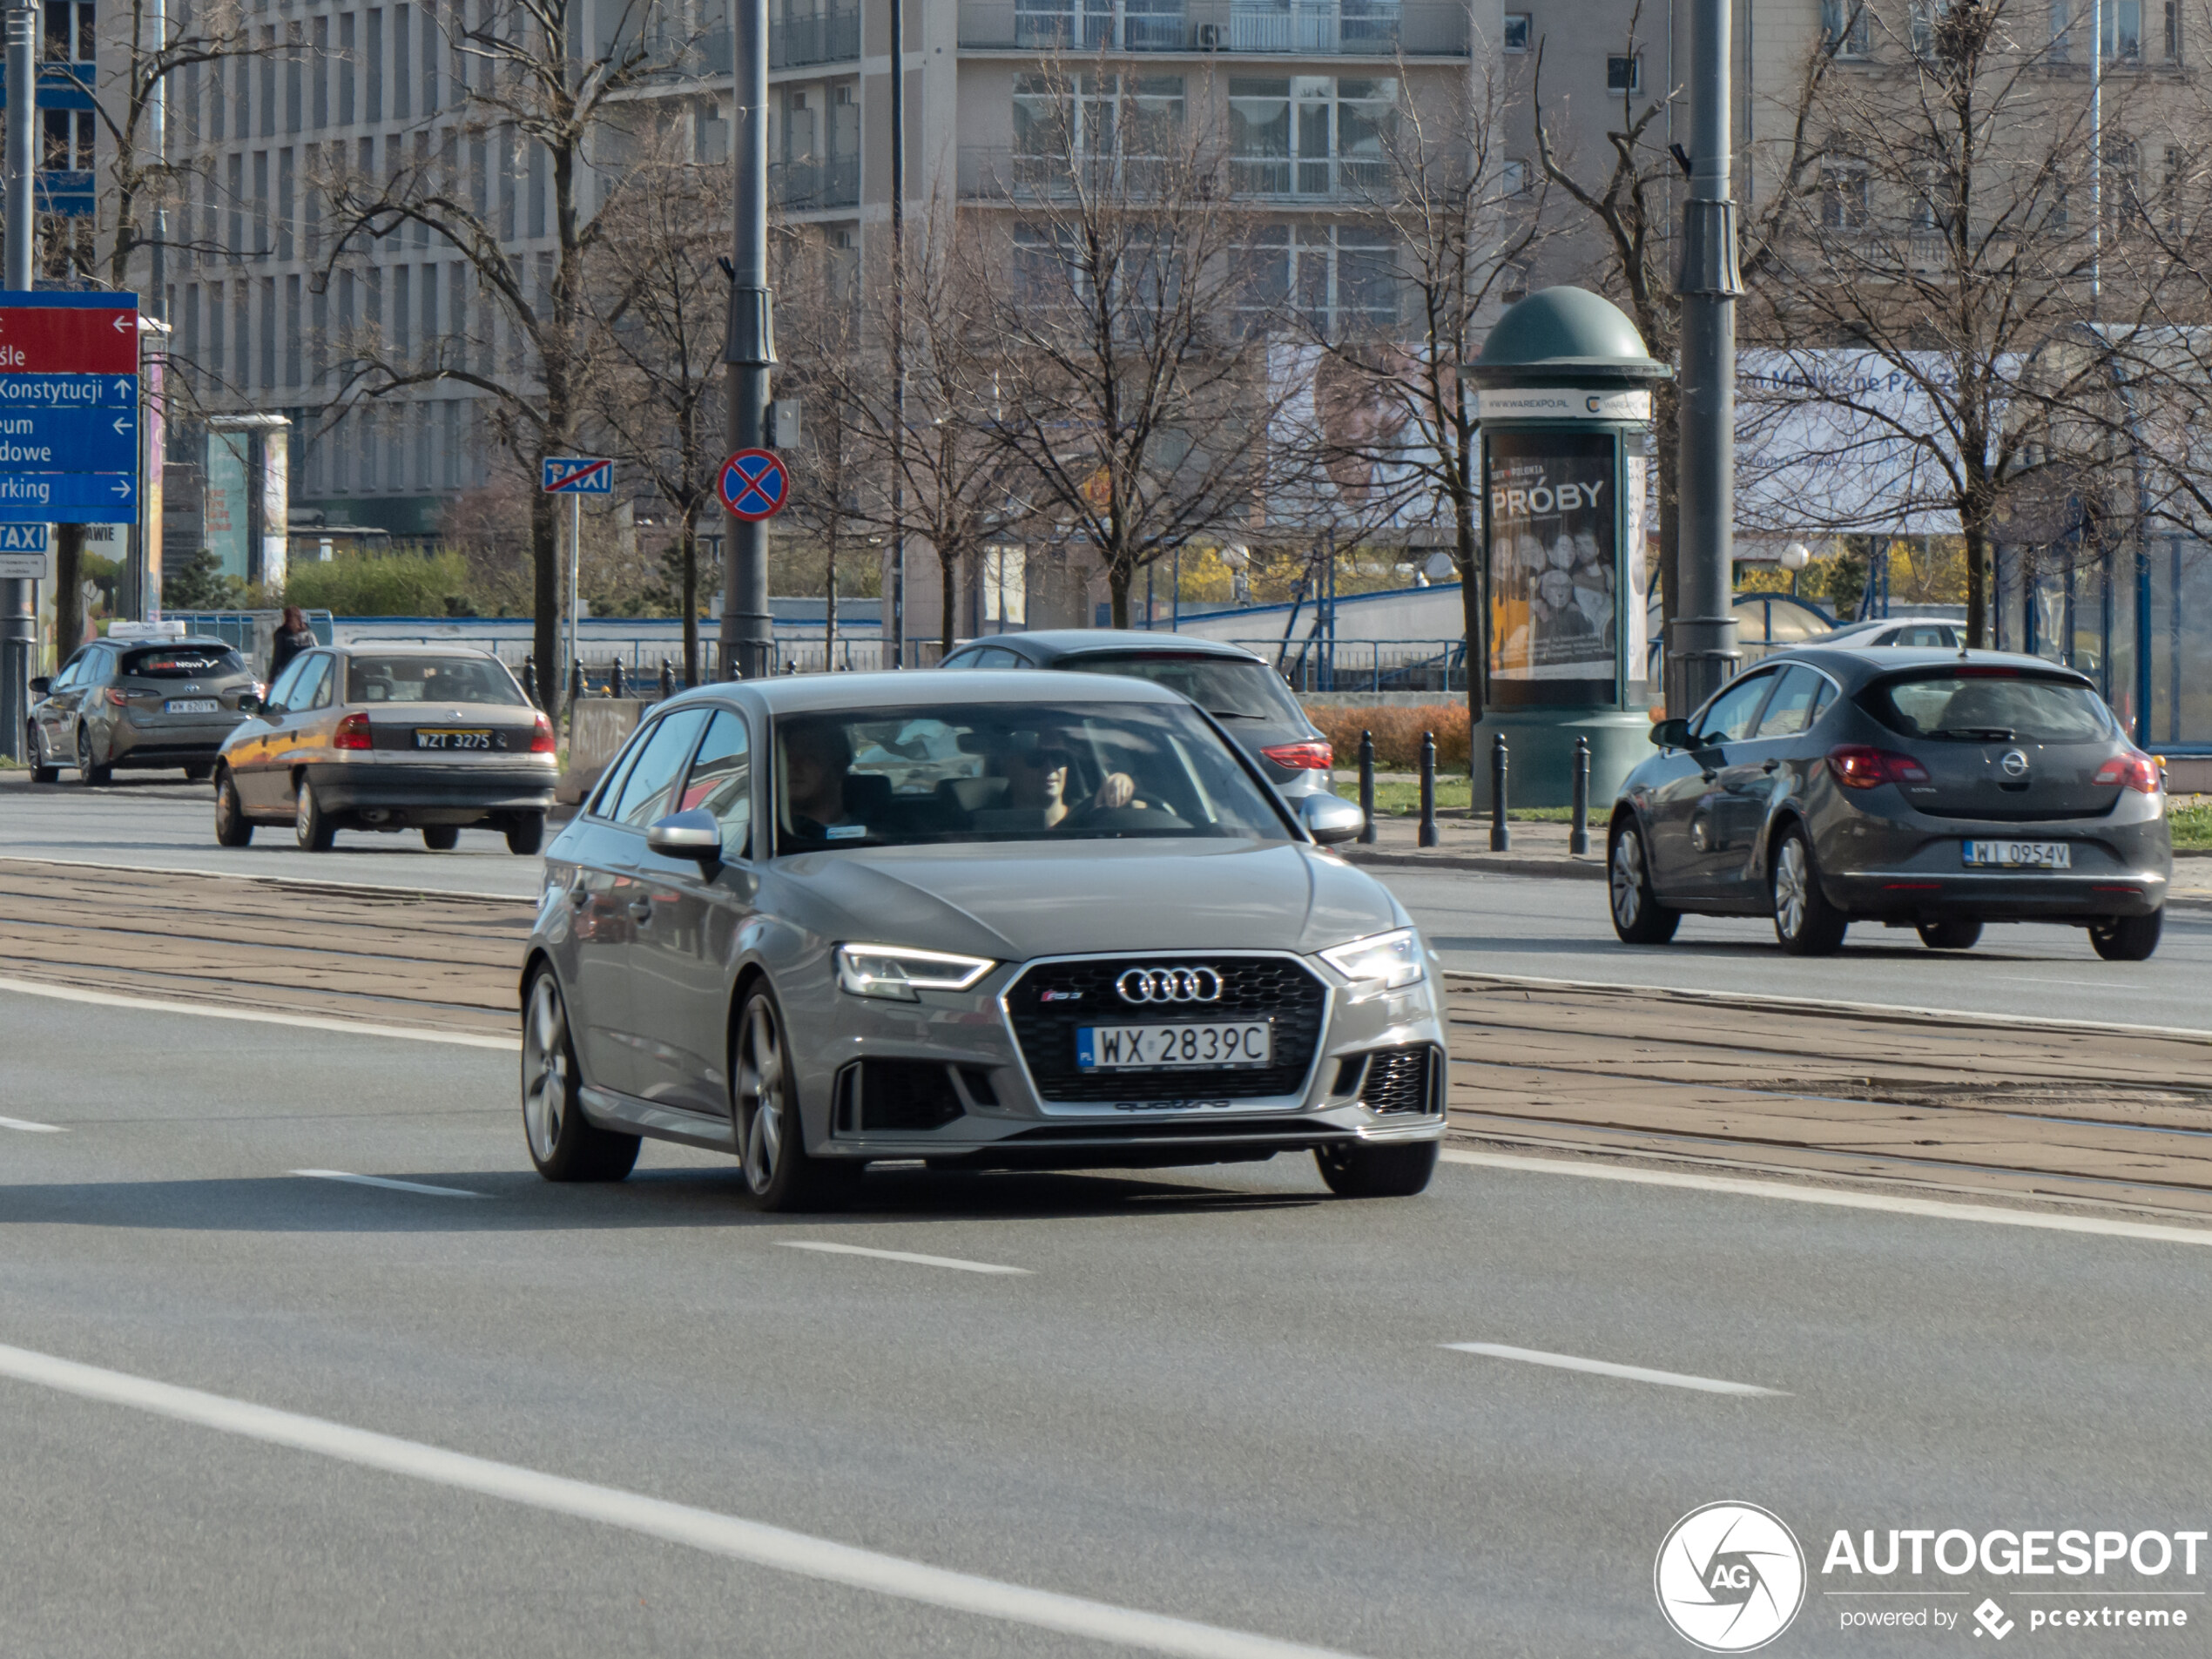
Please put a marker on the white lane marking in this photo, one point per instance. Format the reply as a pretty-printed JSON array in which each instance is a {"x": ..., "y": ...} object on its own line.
[
  {"x": 263, "y": 1016},
  {"x": 2025, "y": 1022},
  {"x": 1988, "y": 1215},
  {"x": 386, "y": 1181},
  {"x": 1607, "y": 1368},
  {"x": 736, "y": 1539},
  {"x": 899, "y": 1255},
  {"x": 26, "y": 1125}
]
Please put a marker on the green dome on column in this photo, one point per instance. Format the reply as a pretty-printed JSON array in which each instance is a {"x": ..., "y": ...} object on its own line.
[{"x": 1565, "y": 336}]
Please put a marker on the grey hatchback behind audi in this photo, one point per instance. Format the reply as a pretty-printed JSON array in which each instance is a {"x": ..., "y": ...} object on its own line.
[{"x": 1936, "y": 790}]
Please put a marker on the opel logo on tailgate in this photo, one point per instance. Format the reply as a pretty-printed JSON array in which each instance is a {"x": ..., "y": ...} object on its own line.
[
  {"x": 2014, "y": 763},
  {"x": 1170, "y": 985}
]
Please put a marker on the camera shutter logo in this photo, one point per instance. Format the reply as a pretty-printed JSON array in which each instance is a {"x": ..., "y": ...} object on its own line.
[{"x": 1729, "y": 1577}]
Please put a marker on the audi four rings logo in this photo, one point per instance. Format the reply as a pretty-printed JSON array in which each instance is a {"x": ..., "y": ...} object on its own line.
[{"x": 1170, "y": 985}]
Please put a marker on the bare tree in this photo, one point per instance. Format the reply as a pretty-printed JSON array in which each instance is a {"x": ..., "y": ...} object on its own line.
[
  {"x": 1134, "y": 391},
  {"x": 662, "y": 302},
  {"x": 817, "y": 327},
  {"x": 1460, "y": 224},
  {"x": 1944, "y": 242},
  {"x": 531, "y": 84},
  {"x": 942, "y": 439}
]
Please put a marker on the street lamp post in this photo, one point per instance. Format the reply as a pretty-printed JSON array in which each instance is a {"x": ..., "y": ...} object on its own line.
[
  {"x": 751, "y": 351},
  {"x": 18, "y": 628}
]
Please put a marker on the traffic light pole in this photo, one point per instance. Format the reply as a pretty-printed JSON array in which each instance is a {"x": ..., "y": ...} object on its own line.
[
  {"x": 18, "y": 628},
  {"x": 751, "y": 351}
]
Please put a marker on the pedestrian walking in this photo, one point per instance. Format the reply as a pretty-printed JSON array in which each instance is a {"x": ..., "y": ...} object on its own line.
[{"x": 292, "y": 637}]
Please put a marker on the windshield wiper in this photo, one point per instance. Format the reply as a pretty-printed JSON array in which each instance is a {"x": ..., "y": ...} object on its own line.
[{"x": 1982, "y": 734}]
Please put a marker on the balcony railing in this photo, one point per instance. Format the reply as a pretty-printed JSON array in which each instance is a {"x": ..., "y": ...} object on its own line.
[
  {"x": 805, "y": 187},
  {"x": 825, "y": 37},
  {"x": 1291, "y": 28},
  {"x": 991, "y": 173}
]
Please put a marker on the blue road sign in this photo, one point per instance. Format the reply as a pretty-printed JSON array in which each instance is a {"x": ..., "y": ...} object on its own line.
[
  {"x": 755, "y": 484},
  {"x": 578, "y": 476},
  {"x": 33, "y": 438},
  {"x": 22, "y": 538},
  {"x": 69, "y": 448}
]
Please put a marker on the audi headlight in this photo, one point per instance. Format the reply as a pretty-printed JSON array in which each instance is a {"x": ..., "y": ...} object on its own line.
[
  {"x": 901, "y": 974},
  {"x": 1393, "y": 959}
]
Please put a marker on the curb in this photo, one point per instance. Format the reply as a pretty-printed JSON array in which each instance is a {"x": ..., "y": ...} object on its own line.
[{"x": 1494, "y": 864}]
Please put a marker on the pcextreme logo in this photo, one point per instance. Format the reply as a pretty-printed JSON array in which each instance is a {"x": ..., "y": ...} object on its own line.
[{"x": 1729, "y": 1577}]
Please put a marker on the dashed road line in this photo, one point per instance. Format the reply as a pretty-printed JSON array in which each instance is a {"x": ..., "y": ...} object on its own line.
[
  {"x": 898, "y": 1256},
  {"x": 30, "y": 1127},
  {"x": 387, "y": 1181},
  {"x": 1607, "y": 1368}
]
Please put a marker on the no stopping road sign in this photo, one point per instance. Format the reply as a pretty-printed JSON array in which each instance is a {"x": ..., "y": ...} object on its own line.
[{"x": 755, "y": 484}]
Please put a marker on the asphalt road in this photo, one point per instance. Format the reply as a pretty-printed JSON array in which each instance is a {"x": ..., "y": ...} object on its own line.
[
  {"x": 1486, "y": 924},
  {"x": 1216, "y": 1395}
]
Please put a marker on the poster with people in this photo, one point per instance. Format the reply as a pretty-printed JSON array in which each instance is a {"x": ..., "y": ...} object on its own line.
[{"x": 1554, "y": 612}]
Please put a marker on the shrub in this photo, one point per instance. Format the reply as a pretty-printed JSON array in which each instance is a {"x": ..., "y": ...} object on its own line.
[
  {"x": 1396, "y": 733},
  {"x": 398, "y": 584}
]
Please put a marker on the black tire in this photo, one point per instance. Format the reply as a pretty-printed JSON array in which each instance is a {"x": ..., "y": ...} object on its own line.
[
  {"x": 1376, "y": 1171},
  {"x": 232, "y": 827},
  {"x": 200, "y": 772},
  {"x": 2128, "y": 939},
  {"x": 1638, "y": 917},
  {"x": 34, "y": 746},
  {"x": 441, "y": 837},
  {"x": 1805, "y": 923},
  {"x": 1950, "y": 935},
  {"x": 526, "y": 833},
  {"x": 310, "y": 825},
  {"x": 564, "y": 1144},
  {"x": 90, "y": 776},
  {"x": 764, "y": 1113}
]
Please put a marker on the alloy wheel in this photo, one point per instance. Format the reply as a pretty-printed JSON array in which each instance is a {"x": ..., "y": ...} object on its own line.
[
  {"x": 545, "y": 1069},
  {"x": 1628, "y": 878},
  {"x": 760, "y": 1097},
  {"x": 1792, "y": 881}
]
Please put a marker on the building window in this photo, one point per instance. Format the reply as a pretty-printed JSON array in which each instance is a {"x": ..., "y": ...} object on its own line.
[
  {"x": 1844, "y": 201},
  {"x": 1517, "y": 31},
  {"x": 1088, "y": 25},
  {"x": 1309, "y": 135},
  {"x": 1624, "y": 72},
  {"x": 2061, "y": 30},
  {"x": 70, "y": 36},
  {"x": 1057, "y": 116},
  {"x": 1336, "y": 278},
  {"x": 1846, "y": 27},
  {"x": 2123, "y": 41}
]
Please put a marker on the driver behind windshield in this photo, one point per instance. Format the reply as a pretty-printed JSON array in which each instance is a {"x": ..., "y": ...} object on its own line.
[
  {"x": 1036, "y": 780},
  {"x": 818, "y": 758}
]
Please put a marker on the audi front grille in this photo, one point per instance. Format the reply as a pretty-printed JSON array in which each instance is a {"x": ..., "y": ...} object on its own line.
[{"x": 1051, "y": 1000}]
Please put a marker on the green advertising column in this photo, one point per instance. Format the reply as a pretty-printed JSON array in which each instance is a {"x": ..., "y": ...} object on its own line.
[{"x": 1564, "y": 385}]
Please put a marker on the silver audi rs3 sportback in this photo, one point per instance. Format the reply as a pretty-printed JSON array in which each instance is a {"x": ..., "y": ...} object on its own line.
[{"x": 990, "y": 920}]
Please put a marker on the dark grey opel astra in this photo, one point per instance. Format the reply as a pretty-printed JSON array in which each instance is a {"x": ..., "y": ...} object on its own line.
[{"x": 1931, "y": 789}]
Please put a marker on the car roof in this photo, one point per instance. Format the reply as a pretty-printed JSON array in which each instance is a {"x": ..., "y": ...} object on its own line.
[
  {"x": 412, "y": 648},
  {"x": 189, "y": 642},
  {"x": 1856, "y": 665},
  {"x": 1046, "y": 643},
  {"x": 922, "y": 689}
]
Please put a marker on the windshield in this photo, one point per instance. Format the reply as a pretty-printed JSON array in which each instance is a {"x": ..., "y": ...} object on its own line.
[
  {"x": 1221, "y": 685},
  {"x": 1010, "y": 773},
  {"x": 192, "y": 660},
  {"x": 2002, "y": 707},
  {"x": 415, "y": 679}
]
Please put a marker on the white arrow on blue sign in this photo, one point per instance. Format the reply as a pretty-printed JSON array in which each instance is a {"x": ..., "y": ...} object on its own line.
[{"x": 578, "y": 476}]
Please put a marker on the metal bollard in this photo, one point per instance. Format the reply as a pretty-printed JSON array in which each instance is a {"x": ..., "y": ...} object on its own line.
[
  {"x": 667, "y": 679},
  {"x": 614, "y": 686},
  {"x": 1501, "y": 837},
  {"x": 1428, "y": 836},
  {"x": 1366, "y": 789},
  {"x": 1578, "y": 826},
  {"x": 530, "y": 681}
]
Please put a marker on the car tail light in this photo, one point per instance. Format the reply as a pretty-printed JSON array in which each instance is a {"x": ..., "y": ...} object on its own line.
[
  {"x": 1857, "y": 766},
  {"x": 541, "y": 738},
  {"x": 1302, "y": 757},
  {"x": 117, "y": 696},
  {"x": 353, "y": 733},
  {"x": 2130, "y": 771}
]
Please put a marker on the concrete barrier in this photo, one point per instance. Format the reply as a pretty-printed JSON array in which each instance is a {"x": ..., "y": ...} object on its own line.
[{"x": 598, "y": 726}]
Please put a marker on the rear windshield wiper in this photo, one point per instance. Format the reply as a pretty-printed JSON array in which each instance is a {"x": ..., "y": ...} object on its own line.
[{"x": 1979, "y": 733}]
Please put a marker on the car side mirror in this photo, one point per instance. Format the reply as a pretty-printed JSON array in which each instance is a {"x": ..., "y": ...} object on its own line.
[
  {"x": 1671, "y": 734},
  {"x": 696, "y": 835},
  {"x": 1331, "y": 820},
  {"x": 41, "y": 684},
  {"x": 248, "y": 702}
]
